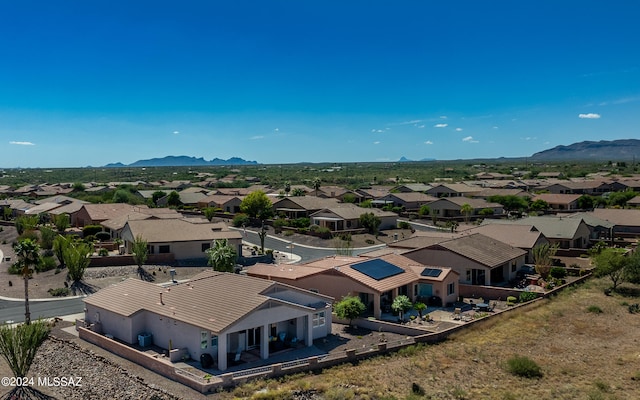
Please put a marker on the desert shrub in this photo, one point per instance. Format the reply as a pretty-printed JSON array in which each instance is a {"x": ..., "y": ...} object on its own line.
[
  {"x": 397, "y": 210},
  {"x": 314, "y": 228},
  {"x": 59, "y": 292},
  {"x": 300, "y": 222},
  {"x": 46, "y": 264},
  {"x": 33, "y": 235},
  {"x": 240, "y": 220},
  {"x": 279, "y": 223},
  {"x": 558, "y": 272},
  {"x": 288, "y": 233},
  {"x": 324, "y": 232},
  {"x": 594, "y": 309},
  {"x": 346, "y": 237},
  {"x": 370, "y": 241},
  {"x": 523, "y": 366},
  {"x": 404, "y": 225},
  {"x": 91, "y": 230},
  {"x": 527, "y": 296},
  {"x": 634, "y": 308},
  {"x": 511, "y": 299},
  {"x": 103, "y": 252}
]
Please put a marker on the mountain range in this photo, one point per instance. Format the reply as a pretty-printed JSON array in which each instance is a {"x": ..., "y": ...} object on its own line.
[
  {"x": 614, "y": 150},
  {"x": 183, "y": 161}
]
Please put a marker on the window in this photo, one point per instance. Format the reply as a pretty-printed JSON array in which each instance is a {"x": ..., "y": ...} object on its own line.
[
  {"x": 513, "y": 266},
  {"x": 451, "y": 288},
  {"x": 214, "y": 340},
  {"x": 164, "y": 249},
  {"x": 151, "y": 249},
  {"x": 468, "y": 275},
  {"x": 318, "y": 319},
  {"x": 204, "y": 336},
  {"x": 206, "y": 246}
]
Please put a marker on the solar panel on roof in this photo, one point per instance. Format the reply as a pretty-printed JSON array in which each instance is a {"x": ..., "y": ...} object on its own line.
[
  {"x": 377, "y": 269},
  {"x": 434, "y": 272}
]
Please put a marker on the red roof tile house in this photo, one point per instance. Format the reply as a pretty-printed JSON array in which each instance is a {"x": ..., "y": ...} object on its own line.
[
  {"x": 377, "y": 281},
  {"x": 215, "y": 313}
]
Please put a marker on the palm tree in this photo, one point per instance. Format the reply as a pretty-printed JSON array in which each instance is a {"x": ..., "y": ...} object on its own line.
[
  {"x": 466, "y": 209},
  {"x": 140, "y": 250},
  {"x": 287, "y": 187},
  {"x": 316, "y": 184},
  {"x": 543, "y": 258},
  {"x": 28, "y": 253},
  {"x": 222, "y": 256}
]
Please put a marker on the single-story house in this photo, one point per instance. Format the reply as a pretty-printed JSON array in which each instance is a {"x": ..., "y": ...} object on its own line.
[
  {"x": 411, "y": 201},
  {"x": 219, "y": 314},
  {"x": 186, "y": 238},
  {"x": 479, "y": 259},
  {"x": 452, "y": 190},
  {"x": 227, "y": 203},
  {"x": 559, "y": 202},
  {"x": 302, "y": 206},
  {"x": 566, "y": 232},
  {"x": 626, "y": 222},
  {"x": 451, "y": 207},
  {"x": 115, "y": 226},
  {"x": 411, "y": 187},
  {"x": 377, "y": 281},
  {"x": 94, "y": 214},
  {"x": 346, "y": 217},
  {"x": 524, "y": 237}
]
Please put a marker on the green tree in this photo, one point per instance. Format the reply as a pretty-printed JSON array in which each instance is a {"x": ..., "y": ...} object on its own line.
[
  {"x": 612, "y": 264},
  {"x": 76, "y": 257},
  {"x": 539, "y": 205},
  {"x": 619, "y": 199},
  {"x": 173, "y": 199},
  {"x": 350, "y": 307},
  {"x": 46, "y": 237},
  {"x": 157, "y": 195},
  {"x": 287, "y": 188},
  {"x": 585, "y": 202},
  {"x": 26, "y": 223},
  {"x": 316, "y": 185},
  {"x": 348, "y": 198},
  {"x": 61, "y": 222},
  {"x": 424, "y": 210},
  {"x": 419, "y": 307},
  {"x": 466, "y": 210},
  {"x": 18, "y": 346},
  {"x": 60, "y": 243},
  {"x": 298, "y": 192},
  {"x": 78, "y": 187},
  {"x": 140, "y": 250},
  {"x": 510, "y": 202},
  {"x": 543, "y": 258},
  {"x": 262, "y": 234},
  {"x": 222, "y": 256},
  {"x": 257, "y": 205},
  {"x": 121, "y": 196},
  {"x": 370, "y": 222},
  {"x": 401, "y": 304},
  {"x": 28, "y": 253}
]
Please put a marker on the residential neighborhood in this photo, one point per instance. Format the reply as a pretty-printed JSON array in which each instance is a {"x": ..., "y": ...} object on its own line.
[{"x": 237, "y": 292}]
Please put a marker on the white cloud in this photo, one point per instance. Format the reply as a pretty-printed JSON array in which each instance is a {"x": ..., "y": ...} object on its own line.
[
  {"x": 428, "y": 142},
  {"x": 495, "y": 127},
  {"x": 277, "y": 130},
  {"x": 176, "y": 132},
  {"x": 443, "y": 117},
  {"x": 589, "y": 116},
  {"x": 440, "y": 125},
  {"x": 257, "y": 137},
  {"x": 376, "y": 142},
  {"x": 458, "y": 129},
  {"x": 22, "y": 143},
  {"x": 469, "y": 139},
  {"x": 421, "y": 126},
  {"x": 377, "y": 131}
]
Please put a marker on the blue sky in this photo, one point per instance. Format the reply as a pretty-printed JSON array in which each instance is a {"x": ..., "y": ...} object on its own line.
[{"x": 93, "y": 82}]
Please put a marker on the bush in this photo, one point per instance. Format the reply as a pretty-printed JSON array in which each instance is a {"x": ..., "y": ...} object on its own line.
[
  {"x": 103, "y": 252},
  {"x": 370, "y": 241},
  {"x": 527, "y": 296},
  {"x": 103, "y": 236},
  {"x": 511, "y": 299},
  {"x": 523, "y": 366},
  {"x": 324, "y": 232},
  {"x": 300, "y": 222},
  {"x": 558, "y": 272},
  {"x": 240, "y": 220},
  {"x": 404, "y": 225},
  {"x": 634, "y": 308},
  {"x": 91, "y": 230},
  {"x": 46, "y": 264}
]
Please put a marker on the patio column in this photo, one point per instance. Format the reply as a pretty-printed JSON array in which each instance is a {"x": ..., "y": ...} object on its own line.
[
  {"x": 264, "y": 342},
  {"x": 309, "y": 338},
  {"x": 377, "y": 312},
  {"x": 222, "y": 351}
]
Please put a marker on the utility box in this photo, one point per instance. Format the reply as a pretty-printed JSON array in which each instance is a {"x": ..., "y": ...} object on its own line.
[{"x": 145, "y": 339}]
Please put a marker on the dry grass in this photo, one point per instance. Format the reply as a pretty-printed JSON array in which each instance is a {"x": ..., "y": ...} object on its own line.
[{"x": 583, "y": 355}]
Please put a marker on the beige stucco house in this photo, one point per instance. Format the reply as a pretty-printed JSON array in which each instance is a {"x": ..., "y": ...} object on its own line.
[
  {"x": 215, "y": 313},
  {"x": 186, "y": 238},
  {"x": 345, "y": 217},
  {"x": 377, "y": 281}
]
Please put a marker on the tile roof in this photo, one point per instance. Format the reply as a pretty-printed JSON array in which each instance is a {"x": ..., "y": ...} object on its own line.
[
  {"x": 305, "y": 202},
  {"x": 103, "y": 212},
  {"x": 551, "y": 227},
  {"x": 180, "y": 230},
  {"x": 522, "y": 236},
  {"x": 211, "y": 300},
  {"x": 557, "y": 198},
  {"x": 622, "y": 217},
  {"x": 482, "y": 249}
]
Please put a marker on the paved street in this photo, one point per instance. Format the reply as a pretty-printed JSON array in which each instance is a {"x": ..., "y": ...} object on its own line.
[{"x": 13, "y": 310}]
